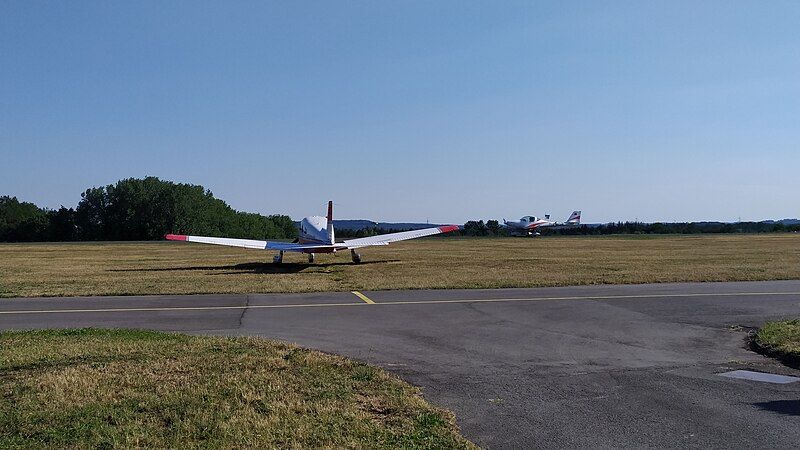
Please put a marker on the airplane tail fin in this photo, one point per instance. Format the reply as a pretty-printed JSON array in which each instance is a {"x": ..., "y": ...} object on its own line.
[
  {"x": 331, "y": 237},
  {"x": 574, "y": 218}
]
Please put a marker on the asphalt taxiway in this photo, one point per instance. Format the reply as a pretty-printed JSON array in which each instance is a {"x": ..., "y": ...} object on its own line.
[{"x": 590, "y": 366}]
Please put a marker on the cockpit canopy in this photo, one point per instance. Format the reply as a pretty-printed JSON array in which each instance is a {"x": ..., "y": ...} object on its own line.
[{"x": 531, "y": 219}]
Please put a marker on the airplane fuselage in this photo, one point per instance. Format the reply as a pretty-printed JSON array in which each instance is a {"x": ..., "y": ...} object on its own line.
[
  {"x": 532, "y": 224},
  {"x": 316, "y": 236},
  {"x": 314, "y": 230}
]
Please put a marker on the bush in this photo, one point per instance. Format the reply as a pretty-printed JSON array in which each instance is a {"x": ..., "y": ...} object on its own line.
[{"x": 138, "y": 209}]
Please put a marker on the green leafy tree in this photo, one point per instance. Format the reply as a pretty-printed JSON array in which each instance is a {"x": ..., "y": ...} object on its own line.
[
  {"x": 61, "y": 225},
  {"x": 494, "y": 228},
  {"x": 90, "y": 215},
  {"x": 21, "y": 221},
  {"x": 475, "y": 228},
  {"x": 149, "y": 208}
]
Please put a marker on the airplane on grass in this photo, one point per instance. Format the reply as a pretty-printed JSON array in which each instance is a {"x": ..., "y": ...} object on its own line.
[
  {"x": 316, "y": 236},
  {"x": 532, "y": 224}
]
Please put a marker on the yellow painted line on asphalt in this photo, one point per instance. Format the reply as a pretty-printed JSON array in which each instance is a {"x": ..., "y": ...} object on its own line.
[
  {"x": 363, "y": 297},
  {"x": 400, "y": 302}
]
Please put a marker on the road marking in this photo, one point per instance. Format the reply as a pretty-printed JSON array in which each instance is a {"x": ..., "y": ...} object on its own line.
[
  {"x": 400, "y": 302},
  {"x": 363, "y": 297},
  {"x": 759, "y": 376}
]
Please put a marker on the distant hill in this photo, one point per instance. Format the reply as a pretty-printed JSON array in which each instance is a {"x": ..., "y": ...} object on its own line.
[
  {"x": 705, "y": 223},
  {"x": 783, "y": 221},
  {"x": 354, "y": 225},
  {"x": 361, "y": 224},
  {"x": 769, "y": 221}
]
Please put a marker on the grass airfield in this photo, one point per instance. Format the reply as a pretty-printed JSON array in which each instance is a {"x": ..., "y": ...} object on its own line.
[
  {"x": 140, "y": 268},
  {"x": 120, "y": 389},
  {"x": 142, "y": 389}
]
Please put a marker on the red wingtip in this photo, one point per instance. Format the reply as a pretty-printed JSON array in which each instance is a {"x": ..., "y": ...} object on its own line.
[
  {"x": 176, "y": 237},
  {"x": 448, "y": 228}
]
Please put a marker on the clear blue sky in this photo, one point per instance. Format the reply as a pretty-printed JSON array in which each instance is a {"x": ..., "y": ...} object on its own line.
[{"x": 445, "y": 111}]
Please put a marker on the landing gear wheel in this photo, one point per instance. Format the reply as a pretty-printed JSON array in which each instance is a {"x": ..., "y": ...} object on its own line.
[
  {"x": 356, "y": 257},
  {"x": 277, "y": 259},
  {"x": 311, "y": 258}
]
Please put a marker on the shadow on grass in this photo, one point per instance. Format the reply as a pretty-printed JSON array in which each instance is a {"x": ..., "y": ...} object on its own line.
[
  {"x": 256, "y": 267},
  {"x": 788, "y": 407},
  {"x": 789, "y": 359}
]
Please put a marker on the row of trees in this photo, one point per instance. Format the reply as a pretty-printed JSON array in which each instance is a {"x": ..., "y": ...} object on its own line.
[
  {"x": 138, "y": 209},
  {"x": 23, "y": 221},
  {"x": 146, "y": 209},
  {"x": 679, "y": 228},
  {"x": 492, "y": 228}
]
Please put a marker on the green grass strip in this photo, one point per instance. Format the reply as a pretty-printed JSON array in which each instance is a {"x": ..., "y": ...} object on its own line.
[{"x": 91, "y": 388}]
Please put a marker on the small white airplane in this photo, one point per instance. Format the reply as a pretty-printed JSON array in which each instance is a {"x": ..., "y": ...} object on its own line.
[
  {"x": 316, "y": 236},
  {"x": 532, "y": 224}
]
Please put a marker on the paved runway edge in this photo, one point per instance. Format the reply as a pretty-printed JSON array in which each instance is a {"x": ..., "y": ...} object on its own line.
[
  {"x": 586, "y": 366},
  {"x": 211, "y": 302}
]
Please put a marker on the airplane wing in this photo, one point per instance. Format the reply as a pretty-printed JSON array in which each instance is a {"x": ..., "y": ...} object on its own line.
[
  {"x": 385, "y": 239},
  {"x": 249, "y": 243}
]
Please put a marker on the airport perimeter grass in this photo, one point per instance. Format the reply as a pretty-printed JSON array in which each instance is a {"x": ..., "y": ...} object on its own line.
[
  {"x": 133, "y": 389},
  {"x": 780, "y": 340},
  {"x": 182, "y": 268}
]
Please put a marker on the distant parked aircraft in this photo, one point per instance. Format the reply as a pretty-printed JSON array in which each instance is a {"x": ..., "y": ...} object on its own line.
[
  {"x": 316, "y": 236},
  {"x": 531, "y": 225}
]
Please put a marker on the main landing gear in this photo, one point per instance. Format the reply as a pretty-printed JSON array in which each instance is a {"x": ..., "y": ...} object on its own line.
[{"x": 277, "y": 259}]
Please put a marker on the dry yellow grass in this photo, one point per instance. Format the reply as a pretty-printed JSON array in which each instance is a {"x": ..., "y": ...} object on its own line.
[
  {"x": 138, "y": 389},
  {"x": 183, "y": 268}
]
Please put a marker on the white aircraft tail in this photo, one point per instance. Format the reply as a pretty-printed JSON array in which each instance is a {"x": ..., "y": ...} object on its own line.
[
  {"x": 331, "y": 237},
  {"x": 574, "y": 218}
]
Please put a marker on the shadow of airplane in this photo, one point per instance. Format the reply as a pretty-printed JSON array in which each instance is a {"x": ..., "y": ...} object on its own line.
[
  {"x": 788, "y": 407},
  {"x": 256, "y": 267}
]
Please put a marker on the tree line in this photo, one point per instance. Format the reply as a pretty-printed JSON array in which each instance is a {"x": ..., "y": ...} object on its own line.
[
  {"x": 149, "y": 208},
  {"x": 137, "y": 209},
  {"x": 680, "y": 228},
  {"x": 492, "y": 228}
]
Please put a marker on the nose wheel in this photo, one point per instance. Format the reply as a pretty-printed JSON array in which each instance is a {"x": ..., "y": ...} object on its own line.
[
  {"x": 311, "y": 258},
  {"x": 356, "y": 257},
  {"x": 277, "y": 259}
]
